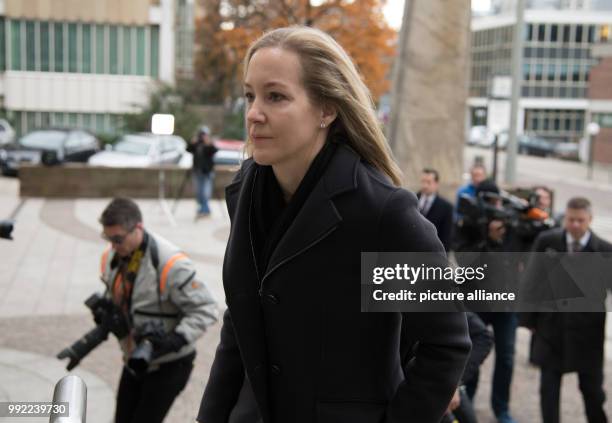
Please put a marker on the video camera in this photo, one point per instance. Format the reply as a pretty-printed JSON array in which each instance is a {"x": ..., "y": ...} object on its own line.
[{"x": 521, "y": 215}]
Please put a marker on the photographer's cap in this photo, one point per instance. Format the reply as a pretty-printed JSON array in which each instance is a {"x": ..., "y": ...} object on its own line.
[{"x": 204, "y": 130}]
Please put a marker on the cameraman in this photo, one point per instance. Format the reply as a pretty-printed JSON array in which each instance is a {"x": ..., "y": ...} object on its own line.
[
  {"x": 165, "y": 306},
  {"x": 493, "y": 237},
  {"x": 203, "y": 151}
]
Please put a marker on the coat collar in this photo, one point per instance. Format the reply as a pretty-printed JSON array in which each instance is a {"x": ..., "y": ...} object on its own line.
[{"x": 316, "y": 220}]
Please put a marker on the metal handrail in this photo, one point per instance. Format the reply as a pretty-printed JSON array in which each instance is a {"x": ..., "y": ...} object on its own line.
[{"x": 72, "y": 390}]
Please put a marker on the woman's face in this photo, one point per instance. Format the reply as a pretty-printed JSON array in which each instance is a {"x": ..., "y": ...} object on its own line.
[{"x": 283, "y": 125}]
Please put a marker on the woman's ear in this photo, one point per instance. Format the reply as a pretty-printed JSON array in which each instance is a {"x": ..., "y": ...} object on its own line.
[{"x": 328, "y": 114}]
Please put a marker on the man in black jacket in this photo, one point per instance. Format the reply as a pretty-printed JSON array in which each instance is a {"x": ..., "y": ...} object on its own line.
[
  {"x": 568, "y": 342},
  {"x": 434, "y": 207},
  {"x": 203, "y": 151}
]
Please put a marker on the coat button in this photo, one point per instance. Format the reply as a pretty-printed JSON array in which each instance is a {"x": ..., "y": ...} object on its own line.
[
  {"x": 275, "y": 369},
  {"x": 273, "y": 298}
]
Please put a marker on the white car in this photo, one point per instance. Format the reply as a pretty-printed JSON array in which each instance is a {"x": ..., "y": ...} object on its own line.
[
  {"x": 141, "y": 150},
  {"x": 480, "y": 136},
  {"x": 7, "y": 133}
]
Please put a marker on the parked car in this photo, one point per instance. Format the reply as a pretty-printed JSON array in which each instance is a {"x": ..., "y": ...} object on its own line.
[
  {"x": 7, "y": 133},
  {"x": 567, "y": 150},
  {"x": 480, "y": 136},
  {"x": 535, "y": 146},
  {"x": 48, "y": 146},
  {"x": 141, "y": 150}
]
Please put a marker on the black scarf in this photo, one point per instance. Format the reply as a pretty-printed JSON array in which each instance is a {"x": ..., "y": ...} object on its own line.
[{"x": 270, "y": 215}]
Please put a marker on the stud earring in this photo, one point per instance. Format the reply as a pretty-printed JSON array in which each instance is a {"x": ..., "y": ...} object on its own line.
[{"x": 322, "y": 125}]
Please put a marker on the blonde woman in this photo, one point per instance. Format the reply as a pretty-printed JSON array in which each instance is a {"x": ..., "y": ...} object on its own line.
[{"x": 320, "y": 188}]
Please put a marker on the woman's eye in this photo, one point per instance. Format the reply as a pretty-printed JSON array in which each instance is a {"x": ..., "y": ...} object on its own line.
[
  {"x": 276, "y": 97},
  {"x": 249, "y": 97}
]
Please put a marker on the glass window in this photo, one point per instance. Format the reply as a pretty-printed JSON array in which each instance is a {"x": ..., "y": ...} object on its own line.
[
  {"x": 526, "y": 71},
  {"x": 73, "y": 120},
  {"x": 529, "y": 32},
  {"x": 541, "y": 32},
  {"x": 566, "y": 33},
  {"x": 86, "y": 117},
  {"x": 57, "y": 119},
  {"x": 154, "y": 51},
  {"x": 30, "y": 46},
  {"x": 30, "y": 121},
  {"x": 86, "y": 49},
  {"x": 44, "y": 46},
  {"x": 100, "y": 49},
  {"x": 539, "y": 70},
  {"x": 591, "y": 37},
  {"x": 113, "y": 50},
  {"x": 16, "y": 45},
  {"x": 58, "y": 55},
  {"x": 140, "y": 51},
  {"x": 578, "y": 34},
  {"x": 45, "y": 119},
  {"x": 563, "y": 72},
  {"x": 576, "y": 73},
  {"x": 551, "y": 71},
  {"x": 100, "y": 126},
  {"x": 554, "y": 29},
  {"x": 72, "y": 47},
  {"x": 2, "y": 48},
  {"x": 127, "y": 50}
]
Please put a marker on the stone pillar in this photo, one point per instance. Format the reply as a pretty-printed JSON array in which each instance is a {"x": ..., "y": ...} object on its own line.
[{"x": 430, "y": 90}]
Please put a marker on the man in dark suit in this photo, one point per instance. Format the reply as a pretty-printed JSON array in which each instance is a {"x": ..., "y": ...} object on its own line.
[
  {"x": 568, "y": 342},
  {"x": 434, "y": 207}
]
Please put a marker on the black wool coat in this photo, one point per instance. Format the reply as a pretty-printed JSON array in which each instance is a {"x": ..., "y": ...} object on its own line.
[
  {"x": 567, "y": 342},
  {"x": 295, "y": 332}
]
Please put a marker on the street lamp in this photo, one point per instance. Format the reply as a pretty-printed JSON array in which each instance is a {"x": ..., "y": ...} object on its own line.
[
  {"x": 592, "y": 130},
  {"x": 163, "y": 124}
]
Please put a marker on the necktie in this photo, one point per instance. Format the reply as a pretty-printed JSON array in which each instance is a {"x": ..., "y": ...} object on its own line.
[
  {"x": 576, "y": 246},
  {"x": 423, "y": 204}
]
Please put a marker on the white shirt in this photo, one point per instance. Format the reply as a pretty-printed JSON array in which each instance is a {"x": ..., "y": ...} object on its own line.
[
  {"x": 569, "y": 240},
  {"x": 425, "y": 203}
]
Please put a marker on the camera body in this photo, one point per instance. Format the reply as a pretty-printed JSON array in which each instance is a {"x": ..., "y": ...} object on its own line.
[
  {"x": 109, "y": 319},
  {"x": 144, "y": 352}
]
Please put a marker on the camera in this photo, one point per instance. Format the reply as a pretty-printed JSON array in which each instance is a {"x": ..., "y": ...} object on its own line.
[
  {"x": 522, "y": 215},
  {"x": 109, "y": 319},
  {"x": 6, "y": 227},
  {"x": 144, "y": 352}
]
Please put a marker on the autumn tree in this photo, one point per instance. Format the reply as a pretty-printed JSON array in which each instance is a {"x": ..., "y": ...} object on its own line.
[{"x": 229, "y": 26}]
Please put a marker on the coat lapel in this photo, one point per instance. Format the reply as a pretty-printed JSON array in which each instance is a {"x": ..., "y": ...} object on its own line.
[{"x": 319, "y": 217}]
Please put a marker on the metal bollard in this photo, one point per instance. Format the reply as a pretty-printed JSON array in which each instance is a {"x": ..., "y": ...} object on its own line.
[{"x": 72, "y": 390}]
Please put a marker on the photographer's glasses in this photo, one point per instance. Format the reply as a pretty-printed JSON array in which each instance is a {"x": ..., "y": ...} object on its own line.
[{"x": 116, "y": 239}]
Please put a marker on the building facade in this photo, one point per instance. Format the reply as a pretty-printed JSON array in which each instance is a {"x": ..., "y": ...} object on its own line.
[
  {"x": 558, "y": 37},
  {"x": 83, "y": 63}
]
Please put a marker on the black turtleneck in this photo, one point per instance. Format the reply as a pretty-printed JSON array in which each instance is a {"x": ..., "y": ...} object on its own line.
[{"x": 271, "y": 216}]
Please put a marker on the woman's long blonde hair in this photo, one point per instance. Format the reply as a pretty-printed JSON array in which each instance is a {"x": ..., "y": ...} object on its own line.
[{"x": 331, "y": 79}]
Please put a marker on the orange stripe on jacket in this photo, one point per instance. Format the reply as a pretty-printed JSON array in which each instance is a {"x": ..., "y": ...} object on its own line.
[
  {"x": 168, "y": 266},
  {"x": 104, "y": 259}
]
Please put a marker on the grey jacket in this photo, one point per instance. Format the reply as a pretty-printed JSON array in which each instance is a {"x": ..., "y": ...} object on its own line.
[{"x": 170, "y": 293}]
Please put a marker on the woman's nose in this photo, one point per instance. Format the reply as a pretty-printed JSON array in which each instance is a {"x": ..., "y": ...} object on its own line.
[{"x": 254, "y": 113}]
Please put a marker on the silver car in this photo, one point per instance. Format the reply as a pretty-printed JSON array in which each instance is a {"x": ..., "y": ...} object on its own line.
[{"x": 141, "y": 150}]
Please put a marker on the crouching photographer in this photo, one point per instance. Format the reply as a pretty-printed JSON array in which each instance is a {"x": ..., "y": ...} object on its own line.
[{"x": 155, "y": 306}]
